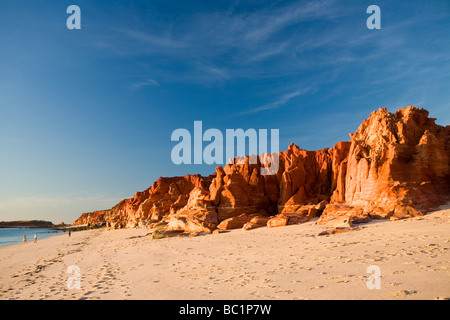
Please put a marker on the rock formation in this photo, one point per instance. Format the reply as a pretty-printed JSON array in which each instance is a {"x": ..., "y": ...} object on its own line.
[
  {"x": 198, "y": 215},
  {"x": 165, "y": 197},
  {"x": 92, "y": 218},
  {"x": 395, "y": 166}
]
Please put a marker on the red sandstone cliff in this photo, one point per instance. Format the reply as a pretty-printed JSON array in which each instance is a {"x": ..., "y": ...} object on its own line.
[
  {"x": 93, "y": 218},
  {"x": 395, "y": 166}
]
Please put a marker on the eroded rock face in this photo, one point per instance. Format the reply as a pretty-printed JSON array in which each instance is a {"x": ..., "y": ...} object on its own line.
[
  {"x": 241, "y": 189},
  {"x": 199, "y": 215},
  {"x": 237, "y": 222},
  {"x": 286, "y": 219},
  {"x": 93, "y": 218},
  {"x": 256, "y": 222},
  {"x": 395, "y": 166},
  {"x": 407, "y": 154},
  {"x": 306, "y": 178},
  {"x": 166, "y": 196},
  {"x": 339, "y": 215}
]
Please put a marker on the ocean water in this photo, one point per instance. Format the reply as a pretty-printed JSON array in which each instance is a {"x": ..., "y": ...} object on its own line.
[{"x": 10, "y": 236}]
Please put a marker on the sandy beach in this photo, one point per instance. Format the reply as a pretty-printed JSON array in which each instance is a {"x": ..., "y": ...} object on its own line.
[{"x": 280, "y": 263}]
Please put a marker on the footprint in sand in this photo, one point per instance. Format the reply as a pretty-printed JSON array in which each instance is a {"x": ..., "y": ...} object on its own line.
[
  {"x": 402, "y": 293},
  {"x": 399, "y": 272},
  {"x": 378, "y": 259},
  {"x": 317, "y": 287}
]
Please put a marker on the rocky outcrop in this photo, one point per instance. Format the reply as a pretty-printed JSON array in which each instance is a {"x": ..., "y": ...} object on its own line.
[
  {"x": 338, "y": 214},
  {"x": 395, "y": 166},
  {"x": 256, "y": 222},
  {"x": 286, "y": 219},
  {"x": 240, "y": 189},
  {"x": 92, "y": 218},
  {"x": 249, "y": 221},
  {"x": 199, "y": 215},
  {"x": 302, "y": 214},
  {"x": 305, "y": 179},
  {"x": 166, "y": 196}
]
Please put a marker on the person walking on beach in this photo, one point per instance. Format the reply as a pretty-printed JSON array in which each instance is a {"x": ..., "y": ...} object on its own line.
[
  {"x": 35, "y": 237},
  {"x": 24, "y": 238},
  {"x": 70, "y": 232}
]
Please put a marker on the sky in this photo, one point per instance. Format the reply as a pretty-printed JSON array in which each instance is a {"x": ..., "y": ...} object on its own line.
[{"x": 86, "y": 116}]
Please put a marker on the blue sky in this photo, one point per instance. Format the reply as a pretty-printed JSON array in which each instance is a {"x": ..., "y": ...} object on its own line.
[{"x": 86, "y": 115}]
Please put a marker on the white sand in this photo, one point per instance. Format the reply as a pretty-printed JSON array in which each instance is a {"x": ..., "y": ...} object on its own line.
[{"x": 281, "y": 263}]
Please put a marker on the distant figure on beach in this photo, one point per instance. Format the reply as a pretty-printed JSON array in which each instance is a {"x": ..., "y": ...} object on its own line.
[
  {"x": 70, "y": 232},
  {"x": 24, "y": 238},
  {"x": 35, "y": 237}
]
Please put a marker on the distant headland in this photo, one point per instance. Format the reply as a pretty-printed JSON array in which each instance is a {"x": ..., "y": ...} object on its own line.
[{"x": 29, "y": 224}]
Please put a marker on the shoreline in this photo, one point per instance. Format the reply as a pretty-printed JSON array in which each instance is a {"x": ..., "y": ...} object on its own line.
[
  {"x": 15, "y": 237},
  {"x": 265, "y": 264}
]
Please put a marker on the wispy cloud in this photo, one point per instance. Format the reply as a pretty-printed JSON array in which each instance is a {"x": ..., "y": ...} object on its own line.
[
  {"x": 216, "y": 72},
  {"x": 284, "y": 99},
  {"x": 158, "y": 42},
  {"x": 264, "y": 24},
  {"x": 304, "y": 41},
  {"x": 145, "y": 83},
  {"x": 236, "y": 41}
]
